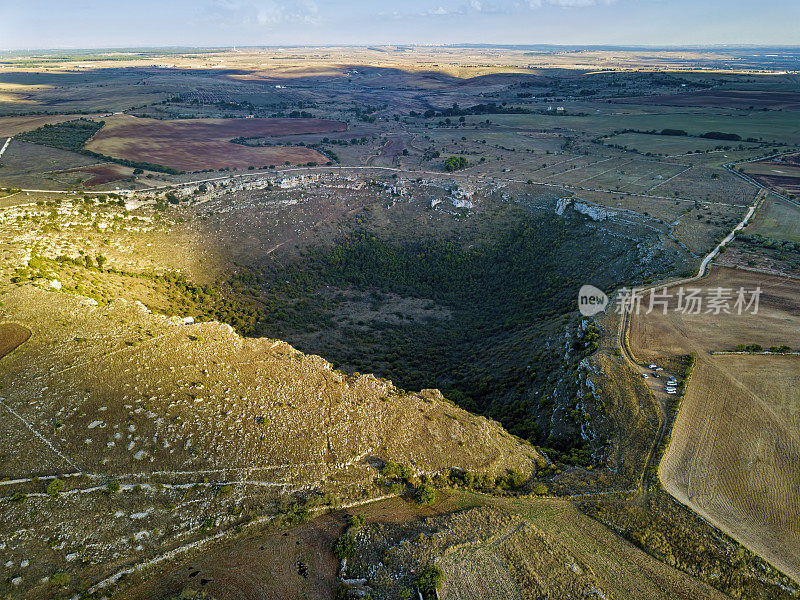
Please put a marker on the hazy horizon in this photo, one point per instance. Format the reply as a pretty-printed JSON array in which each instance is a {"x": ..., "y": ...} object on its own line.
[{"x": 225, "y": 23}]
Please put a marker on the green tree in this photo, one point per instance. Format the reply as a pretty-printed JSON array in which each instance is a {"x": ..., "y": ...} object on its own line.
[
  {"x": 357, "y": 520},
  {"x": 455, "y": 163},
  {"x": 424, "y": 494},
  {"x": 344, "y": 547},
  {"x": 428, "y": 580}
]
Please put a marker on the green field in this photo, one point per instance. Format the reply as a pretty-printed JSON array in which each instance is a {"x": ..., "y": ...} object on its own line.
[
  {"x": 777, "y": 219},
  {"x": 667, "y": 144},
  {"x": 771, "y": 126}
]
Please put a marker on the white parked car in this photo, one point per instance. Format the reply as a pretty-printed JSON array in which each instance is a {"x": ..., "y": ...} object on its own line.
[{"x": 644, "y": 375}]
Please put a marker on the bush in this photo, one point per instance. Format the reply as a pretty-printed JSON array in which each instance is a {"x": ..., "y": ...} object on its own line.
[
  {"x": 342, "y": 591},
  {"x": 112, "y": 487},
  {"x": 424, "y": 495},
  {"x": 392, "y": 470},
  {"x": 344, "y": 548},
  {"x": 430, "y": 576},
  {"x": 224, "y": 491},
  {"x": 298, "y": 513},
  {"x": 455, "y": 163},
  {"x": 512, "y": 480},
  {"x": 60, "y": 579},
  {"x": 55, "y": 487},
  {"x": 540, "y": 490},
  {"x": 357, "y": 520}
]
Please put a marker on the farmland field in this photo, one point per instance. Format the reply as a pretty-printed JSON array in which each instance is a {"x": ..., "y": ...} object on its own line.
[
  {"x": 664, "y": 144},
  {"x": 13, "y": 125},
  {"x": 781, "y": 174},
  {"x": 779, "y": 126},
  {"x": 742, "y": 99},
  {"x": 735, "y": 449},
  {"x": 777, "y": 219},
  {"x": 197, "y": 144},
  {"x": 545, "y": 541}
]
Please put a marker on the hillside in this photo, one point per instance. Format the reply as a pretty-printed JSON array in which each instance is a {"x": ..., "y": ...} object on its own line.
[{"x": 175, "y": 414}]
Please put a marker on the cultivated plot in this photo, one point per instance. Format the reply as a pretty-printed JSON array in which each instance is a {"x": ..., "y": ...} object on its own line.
[
  {"x": 735, "y": 448},
  {"x": 197, "y": 144}
]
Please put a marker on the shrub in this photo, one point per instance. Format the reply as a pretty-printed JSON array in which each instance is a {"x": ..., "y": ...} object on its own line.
[
  {"x": 455, "y": 163},
  {"x": 112, "y": 487},
  {"x": 60, "y": 579},
  {"x": 357, "y": 520},
  {"x": 390, "y": 470},
  {"x": 429, "y": 578},
  {"x": 344, "y": 548},
  {"x": 424, "y": 495},
  {"x": 342, "y": 591},
  {"x": 224, "y": 491},
  {"x": 55, "y": 487},
  {"x": 512, "y": 480},
  {"x": 298, "y": 513}
]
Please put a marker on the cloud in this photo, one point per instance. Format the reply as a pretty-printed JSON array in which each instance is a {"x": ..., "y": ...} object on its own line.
[
  {"x": 568, "y": 3},
  {"x": 266, "y": 13}
]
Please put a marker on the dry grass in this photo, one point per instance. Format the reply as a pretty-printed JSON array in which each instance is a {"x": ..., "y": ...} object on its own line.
[
  {"x": 197, "y": 144},
  {"x": 10, "y": 126},
  {"x": 515, "y": 548},
  {"x": 122, "y": 394},
  {"x": 12, "y": 335},
  {"x": 735, "y": 449}
]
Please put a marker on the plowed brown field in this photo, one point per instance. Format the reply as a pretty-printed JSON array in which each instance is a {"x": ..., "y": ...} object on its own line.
[{"x": 197, "y": 144}]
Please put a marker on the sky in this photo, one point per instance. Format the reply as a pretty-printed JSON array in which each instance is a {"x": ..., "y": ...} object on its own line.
[{"x": 37, "y": 24}]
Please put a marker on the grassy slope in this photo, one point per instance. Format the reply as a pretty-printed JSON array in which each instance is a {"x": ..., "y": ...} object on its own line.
[
  {"x": 141, "y": 399},
  {"x": 488, "y": 548}
]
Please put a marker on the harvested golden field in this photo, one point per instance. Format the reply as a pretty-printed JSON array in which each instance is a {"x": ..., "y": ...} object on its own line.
[
  {"x": 197, "y": 144},
  {"x": 735, "y": 445}
]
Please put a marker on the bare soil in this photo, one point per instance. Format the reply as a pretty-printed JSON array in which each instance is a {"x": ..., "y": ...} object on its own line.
[
  {"x": 724, "y": 99},
  {"x": 196, "y": 144}
]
